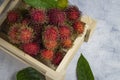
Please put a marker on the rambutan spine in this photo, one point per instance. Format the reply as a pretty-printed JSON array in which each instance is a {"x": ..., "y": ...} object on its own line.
[
  {"x": 26, "y": 34},
  {"x": 38, "y": 16},
  {"x": 56, "y": 16},
  {"x": 73, "y": 13},
  {"x": 50, "y": 37},
  {"x": 12, "y": 16}
]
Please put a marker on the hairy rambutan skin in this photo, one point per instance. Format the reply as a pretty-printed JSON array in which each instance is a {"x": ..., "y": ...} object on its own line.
[
  {"x": 56, "y": 16},
  {"x": 13, "y": 34},
  {"x": 79, "y": 26},
  {"x": 12, "y": 16},
  {"x": 38, "y": 16},
  {"x": 65, "y": 32},
  {"x": 51, "y": 33},
  {"x": 50, "y": 37},
  {"x": 57, "y": 58},
  {"x": 31, "y": 48},
  {"x": 25, "y": 34},
  {"x": 20, "y": 33},
  {"x": 73, "y": 13},
  {"x": 47, "y": 54},
  {"x": 67, "y": 43},
  {"x": 51, "y": 45}
]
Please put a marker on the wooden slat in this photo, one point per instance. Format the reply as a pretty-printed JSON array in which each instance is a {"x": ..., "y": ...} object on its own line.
[
  {"x": 8, "y": 52},
  {"x": 92, "y": 23},
  {"x": 3, "y": 5}
]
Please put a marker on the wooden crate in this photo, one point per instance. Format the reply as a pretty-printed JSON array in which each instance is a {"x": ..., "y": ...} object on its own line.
[{"x": 50, "y": 74}]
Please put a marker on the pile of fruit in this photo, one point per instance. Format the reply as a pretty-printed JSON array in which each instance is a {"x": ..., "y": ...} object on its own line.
[{"x": 45, "y": 34}]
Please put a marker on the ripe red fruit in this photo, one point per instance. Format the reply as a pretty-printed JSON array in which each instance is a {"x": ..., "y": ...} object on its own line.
[
  {"x": 51, "y": 45},
  {"x": 64, "y": 32},
  {"x": 73, "y": 13},
  {"x": 57, "y": 58},
  {"x": 25, "y": 34},
  {"x": 67, "y": 43},
  {"x": 38, "y": 16},
  {"x": 50, "y": 33},
  {"x": 47, "y": 54},
  {"x": 50, "y": 37},
  {"x": 13, "y": 31},
  {"x": 12, "y": 16},
  {"x": 79, "y": 27},
  {"x": 31, "y": 48},
  {"x": 56, "y": 16}
]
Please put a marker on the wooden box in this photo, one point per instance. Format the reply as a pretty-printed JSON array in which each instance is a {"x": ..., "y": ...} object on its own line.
[{"x": 50, "y": 74}]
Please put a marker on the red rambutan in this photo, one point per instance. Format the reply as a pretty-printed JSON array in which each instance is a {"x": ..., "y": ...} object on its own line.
[
  {"x": 51, "y": 45},
  {"x": 25, "y": 34},
  {"x": 67, "y": 43},
  {"x": 57, "y": 58},
  {"x": 73, "y": 13},
  {"x": 50, "y": 33},
  {"x": 50, "y": 37},
  {"x": 38, "y": 16},
  {"x": 13, "y": 34},
  {"x": 31, "y": 48},
  {"x": 56, "y": 16},
  {"x": 65, "y": 32},
  {"x": 79, "y": 26},
  {"x": 47, "y": 54},
  {"x": 12, "y": 16}
]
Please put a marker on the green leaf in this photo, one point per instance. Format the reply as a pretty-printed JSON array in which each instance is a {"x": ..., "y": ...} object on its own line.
[
  {"x": 83, "y": 69},
  {"x": 62, "y": 4},
  {"x": 29, "y": 74},
  {"x": 42, "y": 3}
]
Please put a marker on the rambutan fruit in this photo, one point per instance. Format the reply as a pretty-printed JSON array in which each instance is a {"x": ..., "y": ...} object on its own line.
[
  {"x": 67, "y": 43},
  {"x": 31, "y": 48},
  {"x": 38, "y": 16},
  {"x": 50, "y": 33},
  {"x": 56, "y": 16},
  {"x": 12, "y": 16},
  {"x": 65, "y": 32},
  {"x": 25, "y": 34},
  {"x": 57, "y": 58},
  {"x": 73, "y": 13},
  {"x": 13, "y": 33},
  {"x": 47, "y": 54},
  {"x": 50, "y": 37},
  {"x": 51, "y": 45},
  {"x": 79, "y": 26}
]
